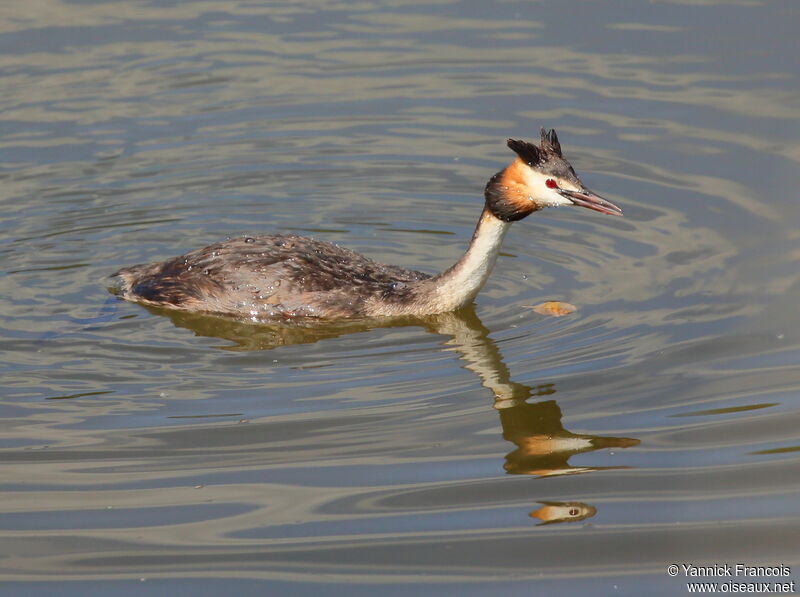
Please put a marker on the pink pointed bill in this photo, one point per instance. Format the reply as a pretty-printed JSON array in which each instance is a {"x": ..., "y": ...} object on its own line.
[{"x": 586, "y": 198}]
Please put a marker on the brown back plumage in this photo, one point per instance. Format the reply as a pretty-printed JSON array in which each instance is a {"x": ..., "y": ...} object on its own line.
[{"x": 268, "y": 276}]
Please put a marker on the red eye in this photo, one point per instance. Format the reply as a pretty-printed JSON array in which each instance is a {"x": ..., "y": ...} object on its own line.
[{"x": 550, "y": 183}]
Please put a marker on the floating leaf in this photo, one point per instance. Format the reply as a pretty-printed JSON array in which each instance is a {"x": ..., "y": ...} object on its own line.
[{"x": 554, "y": 308}]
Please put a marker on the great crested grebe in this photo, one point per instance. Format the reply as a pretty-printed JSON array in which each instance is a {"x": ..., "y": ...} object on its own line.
[{"x": 264, "y": 278}]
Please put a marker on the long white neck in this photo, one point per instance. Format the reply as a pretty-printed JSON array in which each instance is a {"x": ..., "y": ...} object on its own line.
[{"x": 458, "y": 285}]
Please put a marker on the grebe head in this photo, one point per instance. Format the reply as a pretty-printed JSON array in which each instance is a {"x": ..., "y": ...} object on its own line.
[{"x": 540, "y": 177}]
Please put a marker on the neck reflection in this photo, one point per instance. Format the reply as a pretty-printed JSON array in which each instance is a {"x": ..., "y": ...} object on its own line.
[{"x": 543, "y": 446}]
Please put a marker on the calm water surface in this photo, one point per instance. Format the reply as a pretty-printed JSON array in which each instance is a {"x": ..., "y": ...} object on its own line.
[{"x": 495, "y": 451}]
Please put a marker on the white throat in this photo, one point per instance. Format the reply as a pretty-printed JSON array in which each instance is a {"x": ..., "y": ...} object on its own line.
[{"x": 459, "y": 285}]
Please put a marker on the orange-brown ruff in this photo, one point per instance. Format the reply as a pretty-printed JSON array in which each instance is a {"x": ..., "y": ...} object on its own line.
[{"x": 285, "y": 276}]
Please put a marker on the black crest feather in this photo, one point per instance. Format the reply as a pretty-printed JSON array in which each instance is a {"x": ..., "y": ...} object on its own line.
[
  {"x": 534, "y": 155},
  {"x": 528, "y": 152},
  {"x": 550, "y": 141}
]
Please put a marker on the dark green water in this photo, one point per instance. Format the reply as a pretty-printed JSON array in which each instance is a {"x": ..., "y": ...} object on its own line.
[{"x": 494, "y": 452}]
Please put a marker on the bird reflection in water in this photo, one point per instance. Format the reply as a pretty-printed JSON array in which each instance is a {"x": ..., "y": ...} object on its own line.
[
  {"x": 543, "y": 446},
  {"x": 552, "y": 512}
]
